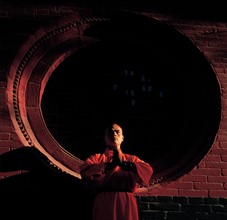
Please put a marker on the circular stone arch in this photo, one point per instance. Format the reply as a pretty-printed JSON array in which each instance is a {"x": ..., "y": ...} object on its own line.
[{"x": 172, "y": 125}]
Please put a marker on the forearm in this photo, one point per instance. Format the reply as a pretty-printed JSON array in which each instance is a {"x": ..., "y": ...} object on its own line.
[
  {"x": 144, "y": 172},
  {"x": 89, "y": 171},
  {"x": 120, "y": 180}
]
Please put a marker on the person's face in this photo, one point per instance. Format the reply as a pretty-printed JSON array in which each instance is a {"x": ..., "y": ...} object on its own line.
[{"x": 114, "y": 137}]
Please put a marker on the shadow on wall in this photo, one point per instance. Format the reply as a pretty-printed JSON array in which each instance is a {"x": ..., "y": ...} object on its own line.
[{"x": 41, "y": 190}]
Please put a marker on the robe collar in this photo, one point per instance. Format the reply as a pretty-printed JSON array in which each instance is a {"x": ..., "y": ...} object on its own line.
[{"x": 109, "y": 153}]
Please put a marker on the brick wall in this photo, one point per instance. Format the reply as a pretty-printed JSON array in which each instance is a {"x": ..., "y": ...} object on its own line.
[
  {"x": 200, "y": 193},
  {"x": 208, "y": 178},
  {"x": 177, "y": 207}
]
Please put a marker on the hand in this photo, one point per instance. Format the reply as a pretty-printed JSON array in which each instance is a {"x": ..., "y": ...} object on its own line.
[
  {"x": 128, "y": 166},
  {"x": 117, "y": 157},
  {"x": 109, "y": 166}
]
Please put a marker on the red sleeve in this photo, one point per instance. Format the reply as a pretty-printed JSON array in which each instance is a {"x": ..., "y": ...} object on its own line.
[
  {"x": 94, "y": 176},
  {"x": 144, "y": 170},
  {"x": 92, "y": 167}
]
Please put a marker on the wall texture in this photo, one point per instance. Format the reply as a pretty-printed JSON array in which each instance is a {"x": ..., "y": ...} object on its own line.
[{"x": 202, "y": 191}]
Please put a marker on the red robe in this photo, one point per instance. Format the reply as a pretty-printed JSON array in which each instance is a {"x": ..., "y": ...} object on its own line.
[{"x": 115, "y": 189}]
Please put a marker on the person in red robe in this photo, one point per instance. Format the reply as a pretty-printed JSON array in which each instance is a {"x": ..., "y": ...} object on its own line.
[{"x": 114, "y": 177}]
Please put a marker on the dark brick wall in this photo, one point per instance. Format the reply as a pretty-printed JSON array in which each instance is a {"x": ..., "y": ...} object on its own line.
[
  {"x": 188, "y": 208},
  {"x": 200, "y": 194}
]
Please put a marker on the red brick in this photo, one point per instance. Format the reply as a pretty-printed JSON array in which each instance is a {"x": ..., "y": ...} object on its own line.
[
  {"x": 223, "y": 145},
  {"x": 222, "y": 138},
  {"x": 219, "y": 151},
  {"x": 223, "y": 126},
  {"x": 14, "y": 137},
  {"x": 213, "y": 158},
  {"x": 193, "y": 193},
  {"x": 225, "y": 186},
  {"x": 15, "y": 144},
  {"x": 202, "y": 164},
  {"x": 224, "y": 159},
  {"x": 216, "y": 165},
  {"x": 4, "y": 150},
  {"x": 163, "y": 192},
  {"x": 195, "y": 178},
  {"x": 217, "y": 179},
  {"x": 206, "y": 171},
  {"x": 5, "y": 129},
  {"x": 218, "y": 193},
  {"x": 208, "y": 186},
  {"x": 4, "y": 136},
  {"x": 181, "y": 185},
  {"x": 224, "y": 172}
]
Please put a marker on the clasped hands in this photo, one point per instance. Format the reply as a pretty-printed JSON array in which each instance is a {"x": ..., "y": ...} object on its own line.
[{"x": 117, "y": 161}]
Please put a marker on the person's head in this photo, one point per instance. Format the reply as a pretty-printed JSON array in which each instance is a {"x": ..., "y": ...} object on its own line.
[{"x": 113, "y": 136}]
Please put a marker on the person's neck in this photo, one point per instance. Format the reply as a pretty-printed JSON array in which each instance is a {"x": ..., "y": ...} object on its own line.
[{"x": 114, "y": 148}]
